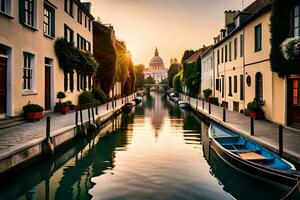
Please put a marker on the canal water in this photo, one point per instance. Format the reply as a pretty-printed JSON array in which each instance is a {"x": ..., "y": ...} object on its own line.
[{"x": 156, "y": 152}]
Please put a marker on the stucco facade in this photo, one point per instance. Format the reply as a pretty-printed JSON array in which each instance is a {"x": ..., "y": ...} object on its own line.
[
  {"x": 207, "y": 71},
  {"x": 19, "y": 39},
  {"x": 243, "y": 69}
]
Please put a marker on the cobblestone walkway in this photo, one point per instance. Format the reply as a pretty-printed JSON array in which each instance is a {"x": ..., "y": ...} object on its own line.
[
  {"x": 18, "y": 135},
  {"x": 265, "y": 132}
]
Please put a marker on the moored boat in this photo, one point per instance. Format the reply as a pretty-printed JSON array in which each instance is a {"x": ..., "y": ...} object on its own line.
[
  {"x": 251, "y": 158},
  {"x": 183, "y": 104},
  {"x": 127, "y": 107}
]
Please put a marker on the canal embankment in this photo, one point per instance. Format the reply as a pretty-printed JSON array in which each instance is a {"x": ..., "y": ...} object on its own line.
[
  {"x": 24, "y": 143},
  {"x": 265, "y": 133}
]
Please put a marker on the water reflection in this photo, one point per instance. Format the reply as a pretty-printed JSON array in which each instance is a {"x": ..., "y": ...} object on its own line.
[{"x": 155, "y": 152}]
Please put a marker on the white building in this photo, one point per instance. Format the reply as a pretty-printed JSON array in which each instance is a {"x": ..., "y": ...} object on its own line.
[
  {"x": 207, "y": 73},
  {"x": 156, "y": 69}
]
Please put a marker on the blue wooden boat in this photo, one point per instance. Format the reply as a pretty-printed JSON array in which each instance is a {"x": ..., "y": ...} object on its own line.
[{"x": 251, "y": 158}]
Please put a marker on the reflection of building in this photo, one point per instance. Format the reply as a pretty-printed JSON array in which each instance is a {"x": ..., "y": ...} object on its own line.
[{"x": 156, "y": 69}]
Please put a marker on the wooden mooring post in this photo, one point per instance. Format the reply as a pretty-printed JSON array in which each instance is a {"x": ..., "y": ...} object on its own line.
[
  {"x": 251, "y": 125},
  {"x": 224, "y": 114},
  {"x": 280, "y": 140}
]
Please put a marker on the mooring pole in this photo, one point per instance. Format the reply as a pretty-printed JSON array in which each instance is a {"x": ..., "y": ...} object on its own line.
[
  {"x": 48, "y": 128},
  {"x": 93, "y": 114},
  {"x": 252, "y": 125},
  {"x": 97, "y": 110},
  {"x": 209, "y": 108},
  {"x": 202, "y": 105},
  {"x": 76, "y": 118},
  {"x": 81, "y": 118},
  {"x": 280, "y": 140},
  {"x": 106, "y": 105},
  {"x": 224, "y": 114},
  {"x": 197, "y": 104},
  {"x": 89, "y": 116}
]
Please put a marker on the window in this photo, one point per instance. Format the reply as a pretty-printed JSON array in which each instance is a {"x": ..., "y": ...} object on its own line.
[
  {"x": 218, "y": 54},
  {"x": 66, "y": 81},
  {"x": 79, "y": 16},
  {"x": 257, "y": 37},
  {"x": 90, "y": 24},
  {"x": 235, "y": 84},
  {"x": 241, "y": 87},
  {"x": 230, "y": 86},
  {"x": 69, "y": 34},
  {"x": 222, "y": 55},
  {"x": 235, "y": 48},
  {"x": 229, "y": 51},
  {"x": 296, "y": 92},
  {"x": 223, "y": 86},
  {"x": 27, "y": 84},
  {"x": 85, "y": 21},
  {"x": 258, "y": 86},
  {"x": 49, "y": 21},
  {"x": 78, "y": 81},
  {"x": 241, "y": 45},
  {"x": 29, "y": 7},
  {"x": 226, "y": 53},
  {"x": 217, "y": 84},
  {"x": 5, "y": 6},
  {"x": 69, "y": 7},
  {"x": 296, "y": 20}
]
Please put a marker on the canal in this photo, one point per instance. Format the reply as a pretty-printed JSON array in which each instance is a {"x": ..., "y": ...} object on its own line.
[{"x": 156, "y": 152}]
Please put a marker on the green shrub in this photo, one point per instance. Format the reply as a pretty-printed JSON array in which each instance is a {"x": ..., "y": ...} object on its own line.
[
  {"x": 254, "y": 105},
  {"x": 32, "y": 108},
  {"x": 207, "y": 93},
  {"x": 214, "y": 101},
  {"x": 61, "y": 95},
  {"x": 85, "y": 98},
  {"x": 99, "y": 95}
]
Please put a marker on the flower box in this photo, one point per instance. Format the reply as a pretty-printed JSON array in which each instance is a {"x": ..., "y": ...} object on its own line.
[
  {"x": 64, "y": 109},
  {"x": 32, "y": 116}
]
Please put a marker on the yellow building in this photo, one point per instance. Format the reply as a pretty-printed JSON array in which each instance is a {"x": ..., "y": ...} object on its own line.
[
  {"x": 31, "y": 72},
  {"x": 242, "y": 63}
]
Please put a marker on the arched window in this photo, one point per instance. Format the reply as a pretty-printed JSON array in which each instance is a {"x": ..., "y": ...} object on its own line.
[{"x": 258, "y": 86}]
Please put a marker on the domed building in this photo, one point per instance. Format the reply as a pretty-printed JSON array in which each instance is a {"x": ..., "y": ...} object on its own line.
[{"x": 156, "y": 68}]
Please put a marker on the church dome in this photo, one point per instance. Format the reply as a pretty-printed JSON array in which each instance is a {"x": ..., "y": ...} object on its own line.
[{"x": 156, "y": 62}]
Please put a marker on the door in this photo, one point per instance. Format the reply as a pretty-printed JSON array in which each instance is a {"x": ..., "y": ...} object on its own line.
[
  {"x": 3, "y": 68},
  {"x": 47, "y": 88},
  {"x": 295, "y": 108}
]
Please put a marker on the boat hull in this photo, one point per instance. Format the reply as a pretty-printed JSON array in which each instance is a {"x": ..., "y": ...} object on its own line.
[{"x": 286, "y": 180}]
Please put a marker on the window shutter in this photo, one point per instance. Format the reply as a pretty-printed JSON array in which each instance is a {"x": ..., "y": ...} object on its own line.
[
  {"x": 22, "y": 11},
  {"x": 71, "y": 81},
  {"x": 66, "y": 81},
  {"x": 53, "y": 22}
]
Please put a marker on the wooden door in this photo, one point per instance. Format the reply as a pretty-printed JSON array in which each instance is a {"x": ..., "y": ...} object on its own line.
[
  {"x": 295, "y": 108},
  {"x": 47, "y": 88},
  {"x": 3, "y": 79}
]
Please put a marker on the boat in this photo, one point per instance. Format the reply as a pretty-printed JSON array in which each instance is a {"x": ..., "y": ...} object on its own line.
[
  {"x": 251, "y": 158},
  {"x": 137, "y": 100},
  {"x": 183, "y": 104},
  {"x": 127, "y": 107}
]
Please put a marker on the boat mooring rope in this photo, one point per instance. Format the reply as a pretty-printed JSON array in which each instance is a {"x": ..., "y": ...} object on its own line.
[{"x": 290, "y": 192}]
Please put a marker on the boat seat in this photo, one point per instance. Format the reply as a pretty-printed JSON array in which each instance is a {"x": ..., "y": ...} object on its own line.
[
  {"x": 252, "y": 156},
  {"x": 243, "y": 150}
]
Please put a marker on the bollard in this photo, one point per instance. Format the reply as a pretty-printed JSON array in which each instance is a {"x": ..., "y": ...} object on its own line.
[
  {"x": 89, "y": 116},
  {"x": 122, "y": 101},
  {"x": 112, "y": 103},
  {"x": 202, "y": 105},
  {"x": 107, "y": 105},
  {"x": 48, "y": 128},
  {"x": 209, "y": 108},
  {"x": 81, "y": 118},
  {"x": 197, "y": 105},
  {"x": 92, "y": 109},
  {"x": 97, "y": 110},
  {"x": 252, "y": 126},
  {"x": 224, "y": 115},
  {"x": 280, "y": 140},
  {"x": 76, "y": 118}
]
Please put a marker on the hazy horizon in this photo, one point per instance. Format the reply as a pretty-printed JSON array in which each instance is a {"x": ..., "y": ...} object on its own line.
[{"x": 171, "y": 25}]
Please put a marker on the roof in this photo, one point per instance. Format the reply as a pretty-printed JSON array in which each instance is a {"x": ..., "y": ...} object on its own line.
[
  {"x": 197, "y": 54},
  {"x": 83, "y": 8},
  {"x": 254, "y": 10}
]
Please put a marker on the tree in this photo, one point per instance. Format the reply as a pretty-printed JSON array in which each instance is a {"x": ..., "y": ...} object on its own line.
[
  {"x": 186, "y": 55},
  {"x": 104, "y": 53},
  {"x": 149, "y": 80},
  {"x": 177, "y": 81},
  {"x": 172, "y": 71},
  {"x": 139, "y": 75}
]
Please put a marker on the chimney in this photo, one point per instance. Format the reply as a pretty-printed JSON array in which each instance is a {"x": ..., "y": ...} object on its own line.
[
  {"x": 229, "y": 16},
  {"x": 87, "y": 6}
]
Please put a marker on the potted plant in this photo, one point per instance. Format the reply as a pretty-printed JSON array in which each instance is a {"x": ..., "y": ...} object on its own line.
[
  {"x": 61, "y": 95},
  {"x": 60, "y": 106},
  {"x": 291, "y": 48},
  {"x": 207, "y": 93},
  {"x": 64, "y": 107},
  {"x": 255, "y": 111},
  {"x": 33, "y": 111},
  {"x": 71, "y": 105}
]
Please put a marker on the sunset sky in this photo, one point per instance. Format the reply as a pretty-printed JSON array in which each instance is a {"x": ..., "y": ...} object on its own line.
[{"x": 171, "y": 25}]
